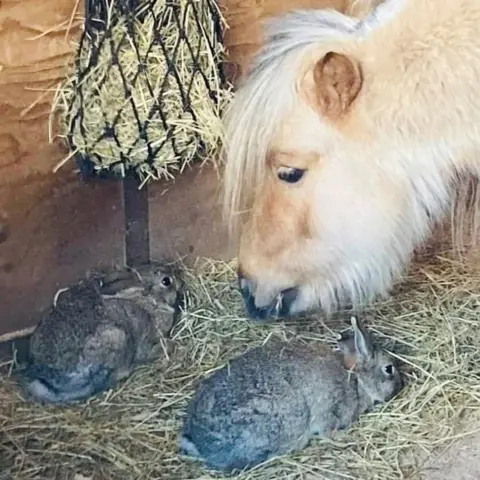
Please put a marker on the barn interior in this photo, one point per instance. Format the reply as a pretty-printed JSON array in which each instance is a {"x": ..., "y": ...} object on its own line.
[{"x": 55, "y": 226}]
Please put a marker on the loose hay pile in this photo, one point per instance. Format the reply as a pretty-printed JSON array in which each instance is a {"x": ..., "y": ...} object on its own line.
[
  {"x": 147, "y": 89},
  {"x": 130, "y": 433}
]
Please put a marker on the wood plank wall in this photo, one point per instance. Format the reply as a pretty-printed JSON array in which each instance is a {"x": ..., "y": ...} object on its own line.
[{"x": 52, "y": 225}]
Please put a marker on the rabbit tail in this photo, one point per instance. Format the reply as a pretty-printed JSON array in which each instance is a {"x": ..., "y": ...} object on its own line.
[
  {"x": 228, "y": 458},
  {"x": 45, "y": 384}
]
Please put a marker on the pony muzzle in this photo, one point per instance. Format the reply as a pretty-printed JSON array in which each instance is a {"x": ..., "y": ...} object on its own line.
[{"x": 263, "y": 308}]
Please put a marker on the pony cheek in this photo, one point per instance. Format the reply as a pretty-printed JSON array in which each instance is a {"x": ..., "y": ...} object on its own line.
[
  {"x": 345, "y": 207},
  {"x": 281, "y": 223}
]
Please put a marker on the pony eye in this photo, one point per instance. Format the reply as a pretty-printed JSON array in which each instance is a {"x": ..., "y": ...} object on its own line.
[
  {"x": 166, "y": 281},
  {"x": 389, "y": 369},
  {"x": 290, "y": 174}
]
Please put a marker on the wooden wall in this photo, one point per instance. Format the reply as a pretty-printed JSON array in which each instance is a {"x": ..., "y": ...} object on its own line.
[{"x": 44, "y": 217}]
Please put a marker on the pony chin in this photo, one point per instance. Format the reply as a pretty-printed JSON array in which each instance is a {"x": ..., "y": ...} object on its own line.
[{"x": 350, "y": 288}]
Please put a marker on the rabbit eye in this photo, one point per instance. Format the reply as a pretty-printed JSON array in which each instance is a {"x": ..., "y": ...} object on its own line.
[
  {"x": 389, "y": 369},
  {"x": 166, "y": 281}
]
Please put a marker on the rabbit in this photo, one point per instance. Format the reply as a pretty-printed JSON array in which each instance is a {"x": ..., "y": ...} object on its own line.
[
  {"x": 275, "y": 398},
  {"x": 153, "y": 287},
  {"x": 98, "y": 330}
]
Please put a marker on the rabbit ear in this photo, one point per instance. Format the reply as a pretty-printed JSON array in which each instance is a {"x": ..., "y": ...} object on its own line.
[
  {"x": 362, "y": 344},
  {"x": 346, "y": 346}
]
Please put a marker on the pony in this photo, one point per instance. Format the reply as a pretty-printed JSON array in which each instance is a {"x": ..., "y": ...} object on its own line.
[{"x": 343, "y": 146}]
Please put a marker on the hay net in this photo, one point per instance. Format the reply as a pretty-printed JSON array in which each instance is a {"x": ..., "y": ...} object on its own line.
[{"x": 147, "y": 87}]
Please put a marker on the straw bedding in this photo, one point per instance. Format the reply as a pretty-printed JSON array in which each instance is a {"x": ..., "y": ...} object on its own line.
[
  {"x": 430, "y": 322},
  {"x": 146, "y": 92}
]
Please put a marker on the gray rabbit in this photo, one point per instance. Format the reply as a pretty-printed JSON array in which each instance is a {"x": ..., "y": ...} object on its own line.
[
  {"x": 98, "y": 330},
  {"x": 273, "y": 399}
]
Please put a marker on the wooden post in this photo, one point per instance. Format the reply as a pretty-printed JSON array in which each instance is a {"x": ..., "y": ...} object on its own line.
[{"x": 135, "y": 210}]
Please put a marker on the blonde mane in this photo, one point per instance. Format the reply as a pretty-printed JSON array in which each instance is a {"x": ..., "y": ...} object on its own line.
[{"x": 267, "y": 94}]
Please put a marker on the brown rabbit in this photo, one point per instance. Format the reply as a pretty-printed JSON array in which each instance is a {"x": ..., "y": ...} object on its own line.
[
  {"x": 273, "y": 399},
  {"x": 98, "y": 330}
]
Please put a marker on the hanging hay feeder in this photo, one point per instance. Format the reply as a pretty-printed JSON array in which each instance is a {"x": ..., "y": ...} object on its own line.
[{"x": 147, "y": 88}]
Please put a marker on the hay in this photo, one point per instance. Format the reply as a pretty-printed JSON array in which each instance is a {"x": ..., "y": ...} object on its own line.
[
  {"x": 146, "y": 92},
  {"x": 431, "y": 322}
]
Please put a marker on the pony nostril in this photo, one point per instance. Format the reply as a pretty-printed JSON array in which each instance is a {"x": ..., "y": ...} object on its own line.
[
  {"x": 243, "y": 282},
  {"x": 260, "y": 303},
  {"x": 245, "y": 285},
  {"x": 288, "y": 296},
  {"x": 240, "y": 275}
]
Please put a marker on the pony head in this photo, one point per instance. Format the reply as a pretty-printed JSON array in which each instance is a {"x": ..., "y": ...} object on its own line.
[{"x": 324, "y": 215}]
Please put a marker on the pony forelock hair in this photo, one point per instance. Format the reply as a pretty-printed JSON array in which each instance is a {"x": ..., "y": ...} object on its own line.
[{"x": 265, "y": 96}]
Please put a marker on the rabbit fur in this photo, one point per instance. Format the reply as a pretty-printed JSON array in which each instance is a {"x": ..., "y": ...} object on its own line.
[
  {"x": 273, "y": 399},
  {"x": 98, "y": 330}
]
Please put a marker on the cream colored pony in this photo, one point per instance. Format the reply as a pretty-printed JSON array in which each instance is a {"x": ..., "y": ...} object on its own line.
[{"x": 343, "y": 145}]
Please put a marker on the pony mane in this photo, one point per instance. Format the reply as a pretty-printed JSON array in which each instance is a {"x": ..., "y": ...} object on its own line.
[{"x": 266, "y": 95}]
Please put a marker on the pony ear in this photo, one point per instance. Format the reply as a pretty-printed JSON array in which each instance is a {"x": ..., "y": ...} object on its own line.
[
  {"x": 338, "y": 80},
  {"x": 363, "y": 347}
]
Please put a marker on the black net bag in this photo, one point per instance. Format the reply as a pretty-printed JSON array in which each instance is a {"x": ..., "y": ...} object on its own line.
[{"x": 147, "y": 88}]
